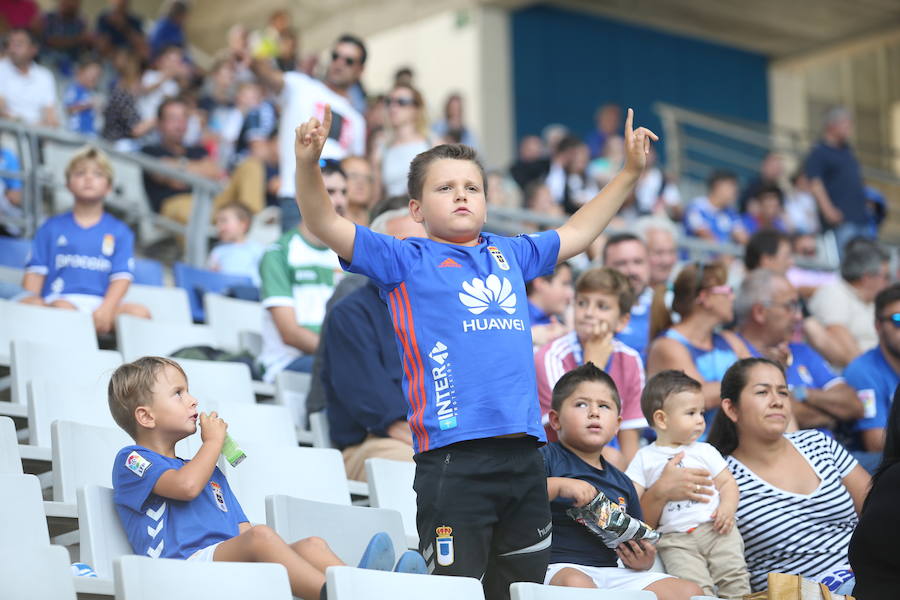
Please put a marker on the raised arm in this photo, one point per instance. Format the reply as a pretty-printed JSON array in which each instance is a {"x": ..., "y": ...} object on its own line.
[
  {"x": 582, "y": 228},
  {"x": 316, "y": 208},
  {"x": 270, "y": 76}
]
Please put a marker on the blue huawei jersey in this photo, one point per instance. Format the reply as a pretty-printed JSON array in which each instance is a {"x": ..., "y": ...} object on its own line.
[
  {"x": 461, "y": 320},
  {"x": 162, "y": 527},
  {"x": 76, "y": 260},
  {"x": 875, "y": 381}
]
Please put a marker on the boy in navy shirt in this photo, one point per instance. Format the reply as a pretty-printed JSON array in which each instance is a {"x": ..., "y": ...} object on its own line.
[
  {"x": 586, "y": 417},
  {"x": 83, "y": 259},
  {"x": 175, "y": 508},
  {"x": 460, "y": 315}
]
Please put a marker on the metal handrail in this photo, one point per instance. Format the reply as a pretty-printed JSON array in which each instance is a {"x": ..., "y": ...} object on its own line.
[{"x": 29, "y": 139}]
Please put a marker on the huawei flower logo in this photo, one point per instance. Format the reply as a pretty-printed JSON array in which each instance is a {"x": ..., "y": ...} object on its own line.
[{"x": 478, "y": 295}]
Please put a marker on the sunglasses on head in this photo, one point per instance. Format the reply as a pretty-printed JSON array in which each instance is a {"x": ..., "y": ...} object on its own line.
[
  {"x": 348, "y": 60},
  {"x": 399, "y": 101},
  {"x": 892, "y": 318}
]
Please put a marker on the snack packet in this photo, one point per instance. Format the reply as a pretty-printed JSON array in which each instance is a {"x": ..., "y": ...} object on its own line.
[
  {"x": 232, "y": 452},
  {"x": 610, "y": 523}
]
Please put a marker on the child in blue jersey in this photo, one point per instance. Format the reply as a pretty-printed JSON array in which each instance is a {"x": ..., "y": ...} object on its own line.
[
  {"x": 460, "y": 313},
  {"x": 175, "y": 508},
  {"x": 80, "y": 99},
  {"x": 83, "y": 259},
  {"x": 586, "y": 416}
]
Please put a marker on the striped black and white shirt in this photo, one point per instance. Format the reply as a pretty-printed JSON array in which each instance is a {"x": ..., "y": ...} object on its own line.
[{"x": 806, "y": 534}]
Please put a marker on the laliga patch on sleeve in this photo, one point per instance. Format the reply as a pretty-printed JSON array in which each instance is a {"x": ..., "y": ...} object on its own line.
[
  {"x": 137, "y": 463},
  {"x": 867, "y": 397}
]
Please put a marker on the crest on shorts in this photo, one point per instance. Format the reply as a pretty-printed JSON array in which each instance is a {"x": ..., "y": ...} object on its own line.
[
  {"x": 444, "y": 541},
  {"x": 136, "y": 463},
  {"x": 218, "y": 495}
]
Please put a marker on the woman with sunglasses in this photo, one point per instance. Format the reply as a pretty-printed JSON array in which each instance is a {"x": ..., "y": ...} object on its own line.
[
  {"x": 704, "y": 301},
  {"x": 407, "y": 137}
]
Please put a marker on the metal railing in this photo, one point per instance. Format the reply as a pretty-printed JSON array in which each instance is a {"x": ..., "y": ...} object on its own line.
[
  {"x": 695, "y": 140},
  {"x": 37, "y": 180}
]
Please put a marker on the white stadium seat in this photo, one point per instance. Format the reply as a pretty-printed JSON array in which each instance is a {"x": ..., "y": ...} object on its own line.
[
  {"x": 23, "y": 513},
  {"x": 144, "y": 578},
  {"x": 83, "y": 455},
  {"x": 309, "y": 473},
  {"x": 37, "y": 572},
  {"x": 348, "y": 583},
  {"x": 143, "y": 337},
  {"x": 10, "y": 462},
  {"x": 228, "y": 317},
  {"x": 391, "y": 486},
  {"x": 347, "y": 529},
  {"x": 220, "y": 382},
  {"x": 102, "y": 537},
  {"x": 164, "y": 303},
  {"x": 31, "y": 360},
  {"x": 47, "y": 325},
  {"x": 49, "y": 401}
]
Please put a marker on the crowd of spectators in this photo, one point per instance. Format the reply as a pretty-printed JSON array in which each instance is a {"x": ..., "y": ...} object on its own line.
[{"x": 630, "y": 305}]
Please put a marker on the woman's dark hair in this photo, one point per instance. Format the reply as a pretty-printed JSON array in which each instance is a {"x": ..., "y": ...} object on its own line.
[
  {"x": 723, "y": 434},
  {"x": 890, "y": 455},
  {"x": 692, "y": 279}
]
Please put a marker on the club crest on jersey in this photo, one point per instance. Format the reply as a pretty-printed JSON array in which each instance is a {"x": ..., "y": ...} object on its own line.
[
  {"x": 136, "y": 463},
  {"x": 444, "y": 541},
  {"x": 218, "y": 495},
  {"x": 498, "y": 256},
  {"x": 109, "y": 244}
]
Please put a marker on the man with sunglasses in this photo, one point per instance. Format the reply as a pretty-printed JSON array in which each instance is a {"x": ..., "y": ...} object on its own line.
[
  {"x": 876, "y": 373},
  {"x": 302, "y": 97},
  {"x": 767, "y": 309}
]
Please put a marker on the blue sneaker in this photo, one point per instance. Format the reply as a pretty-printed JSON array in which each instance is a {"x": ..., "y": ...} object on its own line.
[
  {"x": 411, "y": 562},
  {"x": 379, "y": 554}
]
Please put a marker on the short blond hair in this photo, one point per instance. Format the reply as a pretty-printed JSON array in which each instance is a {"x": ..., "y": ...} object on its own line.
[
  {"x": 131, "y": 386},
  {"x": 90, "y": 153}
]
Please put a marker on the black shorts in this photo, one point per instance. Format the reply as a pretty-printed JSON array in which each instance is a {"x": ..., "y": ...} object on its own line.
[{"x": 483, "y": 512}]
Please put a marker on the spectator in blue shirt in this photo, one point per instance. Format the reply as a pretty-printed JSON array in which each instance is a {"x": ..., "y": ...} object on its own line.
[
  {"x": 836, "y": 179},
  {"x": 767, "y": 309},
  {"x": 64, "y": 37},
  {"x": 83, "y": 259},
  {"x": 876, "y": 373},
  {"x": 361, "y": 371},
  {"x": 10, "y": 195},
  {"x": 169, "y": 30},
  {"x": 765, "y": 210},
  {"x": 548, "y": 299},
  {"x": 80, "y": 99},
  {"x": 713, "y": 217},
  {"x": 628, "y": 254}
]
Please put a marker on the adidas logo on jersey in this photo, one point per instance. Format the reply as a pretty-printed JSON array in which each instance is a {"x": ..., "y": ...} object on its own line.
[
  {"x": 449, "y": 262},
  {"x": 478, "y": 295}
]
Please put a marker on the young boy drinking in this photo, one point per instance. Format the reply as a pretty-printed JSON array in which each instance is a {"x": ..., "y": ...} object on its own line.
[
  {"x": 699, "y": 542},
  {"x": 82, "y": 259},
  {"x": 603, "y": 299},
  {"x": 458, "y": 303},
  {"x": 585, "y": 415},
  {"x": 175, "y": 508}
]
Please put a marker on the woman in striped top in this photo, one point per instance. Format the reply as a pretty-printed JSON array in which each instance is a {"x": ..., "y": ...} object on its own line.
[{"x": 801, "y": 492}]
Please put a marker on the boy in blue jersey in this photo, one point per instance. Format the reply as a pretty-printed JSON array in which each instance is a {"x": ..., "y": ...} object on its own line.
[
  {"x": 83, "y": 259},
  {"x": 175, "y": 508},
  {"x": 459, "y": 309},
  {"x": 586, "y": 416}
]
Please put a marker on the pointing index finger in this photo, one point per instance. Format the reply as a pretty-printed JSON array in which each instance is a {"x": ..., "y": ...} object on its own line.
[
  {"x": 326, "y": 121},
  {"x": 629, "y": 120}
]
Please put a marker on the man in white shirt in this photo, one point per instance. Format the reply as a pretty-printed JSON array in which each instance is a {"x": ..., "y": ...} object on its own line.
[
  {"x": 28, "y": 92},
  {"x": 303, "y": 97},
  {"x": 846, "y": 307}
]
